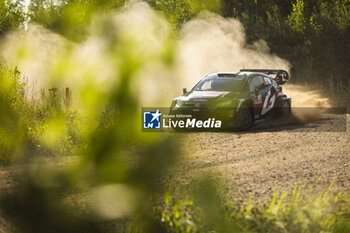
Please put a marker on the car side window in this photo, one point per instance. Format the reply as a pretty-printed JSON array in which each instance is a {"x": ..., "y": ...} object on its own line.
[
  {"x": 255, "y": 82},
  {"x": 267, "y": 81},
  {"x": 207, "y": 85}
]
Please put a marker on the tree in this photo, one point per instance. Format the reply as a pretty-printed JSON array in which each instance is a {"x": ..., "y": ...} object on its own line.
[
  {"x": 11, "y": 15},
  {"x": 69, "y": 17}
]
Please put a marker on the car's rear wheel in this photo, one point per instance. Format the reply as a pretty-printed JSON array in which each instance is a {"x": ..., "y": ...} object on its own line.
[
  {"x": 244, "y": 119},
  {"x": 285, "y": 109}
]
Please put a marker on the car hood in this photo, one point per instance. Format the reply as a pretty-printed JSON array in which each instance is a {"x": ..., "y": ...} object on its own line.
[
  {"x": 203, "y": 95},
  {"x": 209, "y": 96}
]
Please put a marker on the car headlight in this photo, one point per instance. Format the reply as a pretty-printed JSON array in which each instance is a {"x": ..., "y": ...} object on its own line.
[{"x": 179, "y": 103}]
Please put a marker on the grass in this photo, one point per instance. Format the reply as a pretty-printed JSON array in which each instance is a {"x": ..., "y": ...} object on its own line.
[
  {"x": 286, "y": 212},
  {"x": 29, "y": 128}
]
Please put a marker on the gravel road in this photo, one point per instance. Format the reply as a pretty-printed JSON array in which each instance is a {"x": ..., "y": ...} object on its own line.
[{"x": 251, "y": 162}]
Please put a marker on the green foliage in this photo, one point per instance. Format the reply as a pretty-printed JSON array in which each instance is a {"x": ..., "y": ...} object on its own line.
[
  {"x": 297, "y": 19},
  {"x": 311, "y": 35},
  {"x": 177, "y": 216},
  {"x": 209, "y": 5},
  {"x": 12, "y": 108},
  {"x": 30, "y": 129},
  {"x": 337, "y": 12},
  {"x": 69, "y": 17},
  {"x": 11, "y": 15},
  {"x": 176, "y": 11},
  {"x": 293, "y": 212},
  {"x": 180, "y": 11}
]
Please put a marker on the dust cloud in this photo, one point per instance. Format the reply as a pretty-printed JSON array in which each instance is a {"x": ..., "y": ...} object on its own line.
[
  {"x": 307, "y": 104},
  {"x": 211, "y": 43},
  {"x": 32, "y": 51},
  {"x": 304, "y": 97}
]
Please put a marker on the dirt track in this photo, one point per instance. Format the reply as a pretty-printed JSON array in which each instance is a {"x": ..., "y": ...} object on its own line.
[{"x": 251, "y": 162}]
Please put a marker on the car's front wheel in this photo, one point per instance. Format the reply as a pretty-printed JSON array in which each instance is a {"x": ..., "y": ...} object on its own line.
[{"x": 244, "y": 119}]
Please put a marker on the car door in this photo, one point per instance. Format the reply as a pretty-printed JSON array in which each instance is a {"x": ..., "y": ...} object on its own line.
[
  {"x": 268, "y": 94},
  {"x": 255, "y": 87}
]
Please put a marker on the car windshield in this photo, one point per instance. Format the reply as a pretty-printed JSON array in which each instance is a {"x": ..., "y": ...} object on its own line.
[{"x": 221, "y": 84}]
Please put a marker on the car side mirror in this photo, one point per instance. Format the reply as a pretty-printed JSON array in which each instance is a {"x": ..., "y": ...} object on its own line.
[
  {"x": 184, "y": 90},
  {"x": 279, "y": 81},
  {"x": 282, "y": 77}
]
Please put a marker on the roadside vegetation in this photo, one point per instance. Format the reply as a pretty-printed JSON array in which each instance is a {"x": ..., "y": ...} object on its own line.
[
  {"x": 102, "y": 190},
  {"x": 286, "y": 212}
]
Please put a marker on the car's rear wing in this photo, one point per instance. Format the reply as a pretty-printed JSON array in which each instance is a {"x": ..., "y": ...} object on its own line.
[{"x": 281, "y": 77}]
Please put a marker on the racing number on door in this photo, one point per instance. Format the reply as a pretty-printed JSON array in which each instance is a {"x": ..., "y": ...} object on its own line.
[{"x": 268, "y": 103}]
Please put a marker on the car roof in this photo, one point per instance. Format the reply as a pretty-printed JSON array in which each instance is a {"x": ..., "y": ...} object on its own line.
[{"x": 246, "y": 73}]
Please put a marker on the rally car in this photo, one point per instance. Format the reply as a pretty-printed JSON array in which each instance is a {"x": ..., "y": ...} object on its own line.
[{"x": 239, "y": 98}]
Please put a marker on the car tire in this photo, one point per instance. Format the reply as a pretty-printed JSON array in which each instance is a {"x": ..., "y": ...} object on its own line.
[
  {"x": 244, "y": 119},
  {"x": 285, "y": 109}
]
